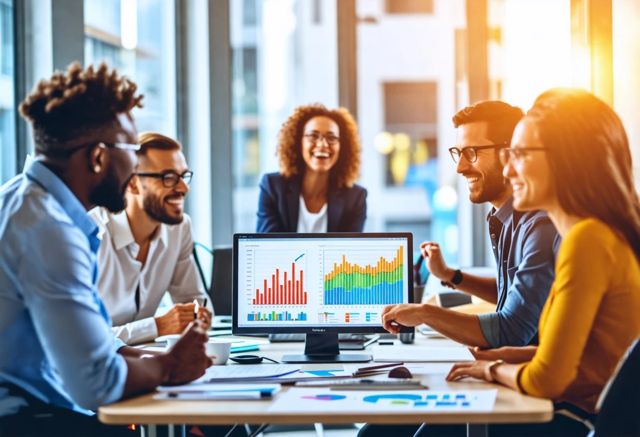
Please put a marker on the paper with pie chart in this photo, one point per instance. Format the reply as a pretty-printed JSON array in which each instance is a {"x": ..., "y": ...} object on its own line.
[
  {"x": 325, "y": 400},
  {"x": 320, "y": 282}
]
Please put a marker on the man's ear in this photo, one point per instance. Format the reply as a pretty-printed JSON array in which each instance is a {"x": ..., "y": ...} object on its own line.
[
  {"x": 97, "y": 159},
  {"x": 132, "y": 185}
]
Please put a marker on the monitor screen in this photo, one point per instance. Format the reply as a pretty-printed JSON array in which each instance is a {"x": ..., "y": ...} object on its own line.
[{"x": 334, "y": 282}]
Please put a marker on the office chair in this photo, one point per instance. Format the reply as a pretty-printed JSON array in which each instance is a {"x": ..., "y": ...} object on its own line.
[
  {"x": 196, "y": 258},
  {"x": 220, "y": 281},
  {"x": 619, "y": 412}
]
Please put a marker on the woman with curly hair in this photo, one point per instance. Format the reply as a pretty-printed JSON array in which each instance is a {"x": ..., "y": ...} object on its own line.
[{"x": 319, "y": 155}]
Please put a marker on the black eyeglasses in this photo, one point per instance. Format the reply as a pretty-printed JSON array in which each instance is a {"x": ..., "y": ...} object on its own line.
[
  {"x": 121, "y": 146},
  {"x": 517, "y": 155},
  {"x": 315, "y": 137},
  {"x": 169, "y": 178},
  {"x": 471, "y": 152}
]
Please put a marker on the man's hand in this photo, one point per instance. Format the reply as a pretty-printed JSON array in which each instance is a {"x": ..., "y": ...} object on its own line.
[
  {"x": 187, "y": 357},
  {"x": 508, "y": 354},
  {"x": 395, "y": 316},
  {"x": 435, "y": 262},
  {"x": 205, "y": 316},
  {"x": 176, "y": 319}
]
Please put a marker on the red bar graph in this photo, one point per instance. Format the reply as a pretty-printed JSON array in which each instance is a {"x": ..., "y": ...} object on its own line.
[{"x": 288, "y": 292}]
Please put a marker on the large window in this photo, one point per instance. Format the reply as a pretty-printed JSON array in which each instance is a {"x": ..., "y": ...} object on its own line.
[
  {"x": 7, "y": 112},
  {"x": 138, "y": 38},
  {"x": 626, "y": 72},
  {"x": 284, "y": 54},
  {"x": 406, "y": 97},
  {"x": 530, "y": 49}
]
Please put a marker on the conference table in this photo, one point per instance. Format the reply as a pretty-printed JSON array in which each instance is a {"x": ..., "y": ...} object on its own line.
[{"x": 510, "y": 406}]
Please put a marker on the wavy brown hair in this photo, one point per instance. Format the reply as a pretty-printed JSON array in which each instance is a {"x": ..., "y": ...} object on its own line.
[
  {"x": 154, "y": 140},
  {"x": 346, "y": 170},
  {"x": 590, "y": 159},
  {"x": 75, "y": 101}
]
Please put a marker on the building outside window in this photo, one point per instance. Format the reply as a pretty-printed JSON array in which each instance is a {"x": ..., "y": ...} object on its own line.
[
  {"x": 406, "y": 98},
  {"x": 138, "y": 38},
  {"x": 284, "y": 54},
  {"x": 7, "y": 110}
]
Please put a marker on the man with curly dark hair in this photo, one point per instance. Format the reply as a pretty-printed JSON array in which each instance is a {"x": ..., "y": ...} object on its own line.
[
  {"x": 315, "y": 191},
  {"x": 58, "y": 359}
]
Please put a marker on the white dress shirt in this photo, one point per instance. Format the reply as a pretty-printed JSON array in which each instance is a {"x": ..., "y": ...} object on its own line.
[
  {"x": 310, "y": 221},
  {"x": 169, "y": 267}
]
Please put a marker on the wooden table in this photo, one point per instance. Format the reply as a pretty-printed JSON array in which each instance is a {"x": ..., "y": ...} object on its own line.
[{"x": 510, "y": 406}]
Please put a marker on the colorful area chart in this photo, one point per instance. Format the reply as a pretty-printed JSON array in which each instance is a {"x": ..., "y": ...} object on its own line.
[{"x": 352, "y": 284}]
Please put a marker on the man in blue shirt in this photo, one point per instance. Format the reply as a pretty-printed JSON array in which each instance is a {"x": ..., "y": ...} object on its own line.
[
  {"x": 524, "y": 244},
  {"x": 58, "y": 359}
]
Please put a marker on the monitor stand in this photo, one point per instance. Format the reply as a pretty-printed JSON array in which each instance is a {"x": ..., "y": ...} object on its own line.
[{"x": 324, "y": 348}]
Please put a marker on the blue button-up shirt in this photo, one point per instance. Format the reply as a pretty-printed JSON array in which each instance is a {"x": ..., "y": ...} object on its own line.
[
  {"x": 524, "y": 245},
  {"x": 55, "y": 333}
]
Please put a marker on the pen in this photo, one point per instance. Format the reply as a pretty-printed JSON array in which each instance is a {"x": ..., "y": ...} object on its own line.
[
  {"x": 213, "y": 395},
  {"x": 195, "y": 309}
]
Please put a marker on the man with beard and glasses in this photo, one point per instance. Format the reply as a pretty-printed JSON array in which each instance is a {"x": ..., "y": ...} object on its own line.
[
  {"x": 146, "y": 249},
  {"x": 58, "y": 359},
  {"x": 524, "y": 245}
]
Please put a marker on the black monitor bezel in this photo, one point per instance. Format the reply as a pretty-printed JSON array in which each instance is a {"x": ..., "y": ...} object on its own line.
[{"x": 318, "y": 329}]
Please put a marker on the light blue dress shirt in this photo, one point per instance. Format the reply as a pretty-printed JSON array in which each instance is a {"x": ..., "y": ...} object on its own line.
[
  {"x": 55, "y": 333},
  {"x": 525, "y": 245}
]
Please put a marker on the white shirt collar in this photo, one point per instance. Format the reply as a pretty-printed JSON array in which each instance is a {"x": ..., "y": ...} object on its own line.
[{"x": 121, "y": 231}]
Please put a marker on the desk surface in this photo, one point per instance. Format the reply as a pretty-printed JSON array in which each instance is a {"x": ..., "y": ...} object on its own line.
[{"x": 510, "y": 406}]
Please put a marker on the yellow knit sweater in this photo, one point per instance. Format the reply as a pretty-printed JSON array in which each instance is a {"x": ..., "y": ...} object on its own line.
[{"x": 591, "y": 316}]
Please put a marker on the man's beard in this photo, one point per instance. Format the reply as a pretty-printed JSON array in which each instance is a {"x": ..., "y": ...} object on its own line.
[
  {"x": 494, "y": 185},
  {"x": 153, "y": 206},
  {"x": 110, "y": 193}
]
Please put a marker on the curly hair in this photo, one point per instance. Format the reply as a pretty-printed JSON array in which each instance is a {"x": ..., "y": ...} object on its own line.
[
  {"x": 346, "y": 170},
  {"x": 73, "y": 102}
]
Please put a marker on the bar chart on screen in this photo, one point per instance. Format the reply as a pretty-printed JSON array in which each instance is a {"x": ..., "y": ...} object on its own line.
[{"x": 279, "y": 289}]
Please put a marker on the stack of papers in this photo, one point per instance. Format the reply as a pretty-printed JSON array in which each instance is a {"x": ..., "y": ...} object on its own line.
[
  {"x": 418, "y": 354},
  {"x": 246, "y": 373},
  {"x": 237, "y": 345}
]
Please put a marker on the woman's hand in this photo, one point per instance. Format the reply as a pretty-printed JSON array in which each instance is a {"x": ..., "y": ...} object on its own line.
[{"x": 475, "y": 369}]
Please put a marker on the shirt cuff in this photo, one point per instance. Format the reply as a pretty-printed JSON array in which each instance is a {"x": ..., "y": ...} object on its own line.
[
  {"x": 137, "y": 332},
  {"x": 490, "y": 326},
  {"x": 118, "y": 343}
]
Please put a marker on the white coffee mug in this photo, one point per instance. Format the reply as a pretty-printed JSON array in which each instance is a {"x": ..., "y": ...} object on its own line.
[
  {"x": 171, "y": 339},
  {"x": 218, "y": 351}
]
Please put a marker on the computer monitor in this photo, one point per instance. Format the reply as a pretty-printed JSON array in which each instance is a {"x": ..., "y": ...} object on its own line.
[{"x": 320, "y": 285}]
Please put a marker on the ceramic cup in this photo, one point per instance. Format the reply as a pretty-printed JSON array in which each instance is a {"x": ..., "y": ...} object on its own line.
[
  {"x": 171, "y": 339},
  {"x": 218, "y": 351}
]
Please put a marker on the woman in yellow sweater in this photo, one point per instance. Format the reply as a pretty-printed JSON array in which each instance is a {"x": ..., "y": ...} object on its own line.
[{"x": 570, "y": 156}]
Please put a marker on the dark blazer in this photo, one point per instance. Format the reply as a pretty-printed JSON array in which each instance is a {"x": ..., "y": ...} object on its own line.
[{"x": 279, "y": 205}]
